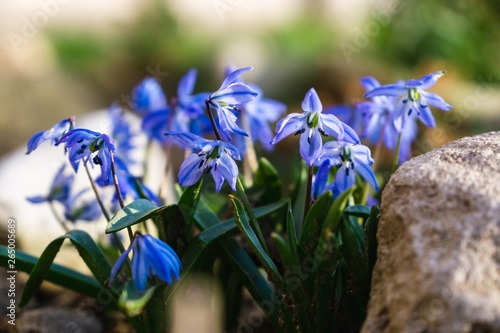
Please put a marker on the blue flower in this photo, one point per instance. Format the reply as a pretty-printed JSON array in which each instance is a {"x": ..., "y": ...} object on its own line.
[
  {"x": 122, "y": 133},
  {"x": 54, "y": 134},
  {"x": 152, "y": 258},
  {"x": 75, "y": 209},
  {"x": 148, "y": 96},
  {"x": 350, "y": 159},
  {"x": 59, "y": 190},
  {"x": 189, "y": 115},
  {"x": 226, "y": 100},
  {"x": 412, "y": 100},
  {"x": 82, "y": 144},
  {"x": 209, "y": 156},
  {"x": 311, "y": 124},
  {"x": 377, "y": 115}
]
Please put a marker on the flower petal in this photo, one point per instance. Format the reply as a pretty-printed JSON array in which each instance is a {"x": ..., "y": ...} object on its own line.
[
  {"x": 148, "y": 96},
  {"x": 369, "y": 83},
  {"x": 426, "y": 116},
  {"x": 288, "y": 125},
  {"x": 118, "y": 264},
  {"x": 186, "y": 84},
  {"x": 310, "y": 146},
  {"x": 227, "y": 123},
  {"x": 190, "y": 170},
  {"x": 232, "y": 77},
  {"x": 430, "y": 79},
  {"x": 435, "y": 100},
  {"x": 332, "y": 126},
  {"x": 187, "y": 139},
  {"x": 387, "y": 90},
  {"x": 234, "y": 94},
  {"x": 363, "y": 168},
  {"x": 311, "y": 102},
  {"x": 345, "y": 178}
]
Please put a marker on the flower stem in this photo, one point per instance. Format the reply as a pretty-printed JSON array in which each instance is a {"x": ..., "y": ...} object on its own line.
[
  {"x": 395, "y": 162},
  {"x": 58, "y": 218},
  {"x": 118, "y": 192},
  {"x": 98, "y": 197},
  {"x": 307, "y": 203},
  {"x": 117, "y": 240}
]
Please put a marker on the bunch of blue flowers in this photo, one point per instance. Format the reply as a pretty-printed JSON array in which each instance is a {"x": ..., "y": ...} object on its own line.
[{"x": 306, "y": 257}]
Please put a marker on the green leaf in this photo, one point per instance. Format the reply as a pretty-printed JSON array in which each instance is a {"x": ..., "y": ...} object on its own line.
[
  {"x": 172, "y": 225},
  {"x": 267, "y": 181},
  {"x": 91, "y": 254},
  {"x": 361, "y": 211},
  {"x": 314, "y": 224},
  {"x": 57, "y": 274},
  {"x": 241, "y": 263},
  {"x": 243, "y": 223},
  {"x": 371, "y": 226},
  {"x": 297, "y": 197},
  {"x": 283, "y": 250},
  {"x": 335, "y": 212},
  {"x": 135, "y": 212},
  {"x": 188, "y": 202},
  {"x": 292, "y": 235}
]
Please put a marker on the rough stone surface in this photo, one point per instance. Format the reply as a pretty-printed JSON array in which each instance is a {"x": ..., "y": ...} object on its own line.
[
  {"x": 53, "y": 320},
  {"x": 438, "y": 267}
]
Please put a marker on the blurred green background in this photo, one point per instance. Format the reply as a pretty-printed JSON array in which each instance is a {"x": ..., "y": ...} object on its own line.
[{"x": 61, "y": 58}]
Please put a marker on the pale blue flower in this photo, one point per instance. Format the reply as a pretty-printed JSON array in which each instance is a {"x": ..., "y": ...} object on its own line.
[
  {"x": 412, "y": 100},
  {"x": 53, "y": 134},
  {"x": 311, "y": 125},
  {"x": 377, "y": 115},
  {"x": 209, "y": 156},
  {"x": 152, "y": 258},
  {"x": 351, "y": 159},
  {"x": 226, "y": 100}
]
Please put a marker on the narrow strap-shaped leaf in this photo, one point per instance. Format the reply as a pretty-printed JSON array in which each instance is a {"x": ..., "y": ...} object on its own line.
[
  {"x": 242, "y": 264},
  {"x": 57, "y": 274},
  {"x": 314, "y": 223},
  {"x": 91, "y": 254},
  {"x": 283, "y": 250},
  {"x": 292, "y": 234},
  {"x": 268, "y": 180},
  {"x": 189, "y": 201},
  {"x": 334, "y": 214},
  {"x": 371, "y": 226},
  {"x": 137, "y": 211},
  {"x": 361, "y": 211},
  {"x": 243, "y": 224}
]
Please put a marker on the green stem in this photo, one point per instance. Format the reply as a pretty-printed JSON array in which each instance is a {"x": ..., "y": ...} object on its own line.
[
  {"x": 58, "y": 218},
  {"x": 307, "y": 203},
  {"x": 212, "y": 120},
  {"x": 395, "y": 162},
  {"x": 119, "y": 193},
  {"x": 117, "y": 240}
]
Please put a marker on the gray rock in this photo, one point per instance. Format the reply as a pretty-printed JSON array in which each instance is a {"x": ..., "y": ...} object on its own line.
[
  {"x": 54, "y": 320},
  {"x": 438, "y": 267}
]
